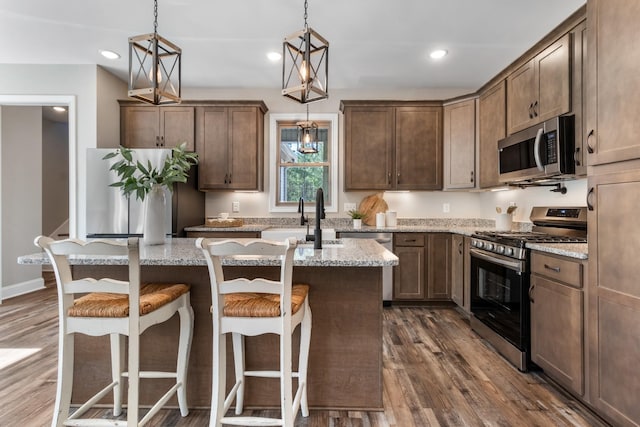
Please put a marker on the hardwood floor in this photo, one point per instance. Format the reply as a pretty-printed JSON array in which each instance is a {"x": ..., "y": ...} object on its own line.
[{"x": 437, "y": 372}]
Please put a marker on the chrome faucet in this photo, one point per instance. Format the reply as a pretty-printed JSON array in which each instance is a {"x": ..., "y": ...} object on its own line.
[{"x": 317, "y": 233}]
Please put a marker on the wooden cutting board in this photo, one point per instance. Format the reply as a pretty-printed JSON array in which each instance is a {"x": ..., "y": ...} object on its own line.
[{"x": 370, "y": 206}]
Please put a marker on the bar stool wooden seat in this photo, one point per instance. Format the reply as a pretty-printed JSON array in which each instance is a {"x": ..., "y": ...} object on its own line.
[
  {"x": 249, "y": 307},
  {"x": 105, "y": 310}
]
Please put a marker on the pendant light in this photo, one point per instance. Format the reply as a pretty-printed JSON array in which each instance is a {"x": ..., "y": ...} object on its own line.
[
  {"x": 307, "y": 136},
  {"x": 305, "y": 65},
  {"x": 154, "y": 67}
]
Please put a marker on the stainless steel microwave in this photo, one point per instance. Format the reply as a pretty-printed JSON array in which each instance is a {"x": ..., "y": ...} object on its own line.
[{"x": 540, "y": 152}]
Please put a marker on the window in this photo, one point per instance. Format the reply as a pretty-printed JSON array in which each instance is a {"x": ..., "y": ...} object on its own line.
[{"x": 293, "y": 174}]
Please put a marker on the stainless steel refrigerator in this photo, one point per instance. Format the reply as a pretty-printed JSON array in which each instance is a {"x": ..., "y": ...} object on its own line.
[{"x": 110, "y": 214}]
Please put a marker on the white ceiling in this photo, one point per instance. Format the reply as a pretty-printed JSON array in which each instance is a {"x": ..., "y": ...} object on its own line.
[{"x": 373, "y": 43}]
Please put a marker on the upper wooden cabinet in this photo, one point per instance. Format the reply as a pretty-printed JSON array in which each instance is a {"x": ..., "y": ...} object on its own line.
[
  {"x": 491, "y": 128},
  {"x": 612, "y": 107},
  {"x": 392, "y": 145},
  {"x": 541, "y": 88},
  {"x": 459, "y": 144},
  {"x": 156, "y": 127},
  {"x": 230, "y": 145}
]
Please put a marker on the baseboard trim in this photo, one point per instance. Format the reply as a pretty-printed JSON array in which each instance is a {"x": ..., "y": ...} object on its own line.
[{"x": 17, "y": 289}]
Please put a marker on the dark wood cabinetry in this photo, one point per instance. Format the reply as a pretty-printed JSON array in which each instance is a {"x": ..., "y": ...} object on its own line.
[
  {"x": 613, "y": 107},
  {"x": 392, "y": 145},
  {"x": 557, "y": 319},
  {"x": 457, "y": 269},
  {"x": 460, "y": 144},
  {"x": 156, "y": 127},
  {"x": 491, "y": 128},
  {"x": 230, "y": 144},
  {"x": 540, "y": 89},
  {"x": 424, "y": 270}
]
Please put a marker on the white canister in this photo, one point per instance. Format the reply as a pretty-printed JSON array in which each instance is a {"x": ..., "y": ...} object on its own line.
[
  {"x": 503, "y": 222},
  {"x": 380, "y": 220},
  {"x": 392, "y": 219}
]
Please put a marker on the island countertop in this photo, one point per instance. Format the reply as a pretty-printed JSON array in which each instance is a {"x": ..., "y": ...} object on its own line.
[{"x": 183, "y": 252}]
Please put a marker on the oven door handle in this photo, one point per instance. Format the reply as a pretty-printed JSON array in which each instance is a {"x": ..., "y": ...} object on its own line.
[{"x": 496, "y": 259}]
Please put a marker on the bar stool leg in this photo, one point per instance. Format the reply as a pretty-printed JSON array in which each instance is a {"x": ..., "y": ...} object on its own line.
[
  {"x": 117, "y": 367},
  {"x": 238, "y": 359},
  {"x": 303, "y": 358},
  {"x": 184, "y": 346},
  {"x": 219, "y": 377},
  {"x": 134, "y": 380},
  {"x": 65, "y": 380},
  {"x": 286, "y": 383}
]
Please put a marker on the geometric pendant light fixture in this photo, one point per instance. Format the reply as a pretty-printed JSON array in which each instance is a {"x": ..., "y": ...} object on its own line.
[
  {"x": 154, "y": 67},
  {"x": 307, "y": 136},
  {"x": 305, "y": 65}
]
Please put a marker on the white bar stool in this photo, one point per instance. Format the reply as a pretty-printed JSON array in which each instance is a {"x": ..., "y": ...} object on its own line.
[
  {"x": 246, "y": 307},
  {"x": 104, "y": 310}
]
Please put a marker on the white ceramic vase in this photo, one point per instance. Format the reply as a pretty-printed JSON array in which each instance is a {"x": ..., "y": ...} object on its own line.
[
  {"x": 357, "y": 224},
  {"x": 154, "y": 220}
]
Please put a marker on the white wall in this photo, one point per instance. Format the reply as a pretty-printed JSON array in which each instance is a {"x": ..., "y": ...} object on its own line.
[
  {"x": 21, "y": 183},
  {"x": 420, "y": 204},
  {"x": 82, "y": 82}
]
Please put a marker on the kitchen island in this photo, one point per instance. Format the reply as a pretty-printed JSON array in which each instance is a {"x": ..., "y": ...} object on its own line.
[{"x": 345, "y": 363}]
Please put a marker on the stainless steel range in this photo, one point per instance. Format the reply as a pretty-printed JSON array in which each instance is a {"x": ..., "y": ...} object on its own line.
[{"x": 500, "y": 277}]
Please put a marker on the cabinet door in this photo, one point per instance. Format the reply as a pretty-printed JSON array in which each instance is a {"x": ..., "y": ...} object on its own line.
[
  {"x": 459, "y": 144},
  {"x": 557, "y": 331},
  {"x": 457, "y": 269},
  {"x": 439, "y": 266},
  {"x": 177, "y": 125},
  {"x": 493, "y": 119},
  {"x": 245, "y": 144},
  {"x": 553, "y": 80},
  {"x": 578, "y": 95},
  {"x": 614, "y": 294},
  {"x": 213, "y": 147},
  {"x": 368, "y": 148},
  {"x": 521, "y": 95},
  {"x": 613, "y": 98},
  {"x": 418, "y": 148},
  {"x": 140, "y": 127},
  {"x": 408, "y": 275}
]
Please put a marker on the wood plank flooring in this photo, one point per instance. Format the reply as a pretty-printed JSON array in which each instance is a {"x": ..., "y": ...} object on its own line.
[{"x": 437, "y": 372}]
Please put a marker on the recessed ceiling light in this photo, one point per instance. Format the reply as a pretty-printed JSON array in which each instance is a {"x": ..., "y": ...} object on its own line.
[
  {"x": 274, "y": 56},
  {"x": 438, "y": 53},
  {"x": 60, "y": 109},
  {"x": 109, "y": 54}
]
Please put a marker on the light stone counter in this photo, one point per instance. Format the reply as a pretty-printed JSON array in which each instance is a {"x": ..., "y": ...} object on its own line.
[
  {"x": 183, "y": 252},
  {"x": 573, "y": 250}
]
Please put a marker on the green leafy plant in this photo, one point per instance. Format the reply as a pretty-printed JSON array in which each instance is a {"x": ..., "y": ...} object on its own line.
[
  {"x": 139, "y": 179},
  {"x": 356, "y": 214}
]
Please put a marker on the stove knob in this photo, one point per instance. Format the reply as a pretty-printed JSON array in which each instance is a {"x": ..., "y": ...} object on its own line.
[
  {"x": 490, "y": 246},
  {"x": 500, "y": 249},
  {"x": 479, "y": 245},
  {"x": 510, "y": 251}
]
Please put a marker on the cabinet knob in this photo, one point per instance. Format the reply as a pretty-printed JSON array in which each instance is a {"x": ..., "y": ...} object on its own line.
[
  {"x": 471, "y": 179},
  {"x": 157, "y": 141},
  {"x": 229, "y": 178},
  {"x": 535, "y": 109},
  {"x": 389, "y": 178},
  {"x": 162, "y": 141},
  {"x": 531, "y": 110}
]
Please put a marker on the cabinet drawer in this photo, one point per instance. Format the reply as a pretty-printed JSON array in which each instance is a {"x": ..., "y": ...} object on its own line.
[
  {"x": 408, "y": 239},
  {"x": 557, "y": 268}
]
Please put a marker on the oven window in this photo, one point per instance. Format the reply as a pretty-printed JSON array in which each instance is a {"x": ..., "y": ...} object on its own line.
[{"x": 496, "y": 300}]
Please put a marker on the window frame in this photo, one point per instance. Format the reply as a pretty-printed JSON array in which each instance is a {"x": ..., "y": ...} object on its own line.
[{"x": 331, "y": 205}]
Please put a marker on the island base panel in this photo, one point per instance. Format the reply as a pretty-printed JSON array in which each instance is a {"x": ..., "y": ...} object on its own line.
[{"x": 345, "y": 361}]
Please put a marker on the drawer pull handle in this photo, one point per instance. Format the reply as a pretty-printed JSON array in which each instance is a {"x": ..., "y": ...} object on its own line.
[
  {"x": 530, "y": 294},
  {"x": 548, "y": 267},
  {"x": 410, "y": 240}
]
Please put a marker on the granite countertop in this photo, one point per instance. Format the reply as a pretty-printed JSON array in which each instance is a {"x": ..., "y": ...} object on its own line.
[
  {"x": 183, "y": 252},
  {"x": 573, "y": 250},
  {"x": 245, "y": 227}
]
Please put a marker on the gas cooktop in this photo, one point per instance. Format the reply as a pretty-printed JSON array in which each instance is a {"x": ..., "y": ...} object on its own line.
[{"x": 520, "y": 238}]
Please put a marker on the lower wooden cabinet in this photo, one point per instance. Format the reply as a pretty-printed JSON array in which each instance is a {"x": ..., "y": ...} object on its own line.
[
  {"x": 557, "y": 319},
  {"x": 424, "y": 270},
  {"x": 457, "y": 269}
]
